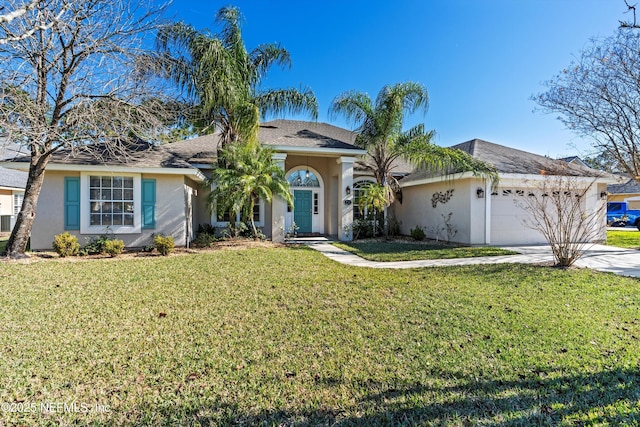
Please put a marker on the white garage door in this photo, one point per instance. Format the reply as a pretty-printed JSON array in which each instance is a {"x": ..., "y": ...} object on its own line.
[{"x": 507, "y": 219}]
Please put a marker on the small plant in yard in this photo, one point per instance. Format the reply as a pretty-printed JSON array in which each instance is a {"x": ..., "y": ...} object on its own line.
[
  {"x": 556, "y": 207},
  {"x": 114, "y": 247},
  {"x": 204, "y": 240},
  {"x": 292, "y": 231},
  {"x": 417, "y": 233},
  {"x": 449, "y": 227},
  {"x": 95, "y": 245},
  {"x": 205, "y": 237},
  {"x": 66, "y": 244},
  {"x": 163, "y": 244}
]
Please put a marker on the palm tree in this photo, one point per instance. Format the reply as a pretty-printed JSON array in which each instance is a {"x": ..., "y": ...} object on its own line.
[
  {"x": 251, "y": 175},
  {"x": 379, "y": 131},
  {"x": 222, "y": 78}
]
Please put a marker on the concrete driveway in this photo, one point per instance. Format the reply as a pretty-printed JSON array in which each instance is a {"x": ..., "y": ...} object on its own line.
[{"x": 625, "y": 262}]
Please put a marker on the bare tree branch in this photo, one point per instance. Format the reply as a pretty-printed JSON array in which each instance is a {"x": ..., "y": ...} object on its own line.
[
  {"x": 70, "y": 80},
  {"x": 566, "y": 210}
]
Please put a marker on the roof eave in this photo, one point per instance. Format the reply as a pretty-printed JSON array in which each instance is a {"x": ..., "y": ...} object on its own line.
[
  {"x": 191, "y": 172},
  {"x": 317, "y": 150}
]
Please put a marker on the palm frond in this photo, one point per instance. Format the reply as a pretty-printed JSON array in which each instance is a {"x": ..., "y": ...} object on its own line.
[
  {"x": 265, "y": 56},
  {"x": 281, "y": 101}
]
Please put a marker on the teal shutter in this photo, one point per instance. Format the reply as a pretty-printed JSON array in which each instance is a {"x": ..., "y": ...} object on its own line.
[
  {"x": 71, "y": 203},
  {"x": 148, "y": 203}
]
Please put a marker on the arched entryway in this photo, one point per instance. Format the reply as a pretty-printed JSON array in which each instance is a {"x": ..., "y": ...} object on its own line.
[{"x": 307, "y": 188}]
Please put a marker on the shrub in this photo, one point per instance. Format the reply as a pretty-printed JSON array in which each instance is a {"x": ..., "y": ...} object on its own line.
[
  {"x": 95, "y": 245},
  {"x": 362, "y": 229},
  {"x": 66, "y": 244},
  {"x": 393, "y": 227},
  {"x": 207, "y": 229},
  {"x": 114, "y": 247},
  {"x": 163, "y": 244},
  {"x": 417, "y": 233},
  {"x": 204, "y": 240}
]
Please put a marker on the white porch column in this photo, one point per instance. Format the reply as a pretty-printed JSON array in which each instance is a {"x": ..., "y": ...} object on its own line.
[
  {"x": 345, "y": 201},
  {"x": 487, "y": 213},
  {"x": 278, "y": 206}
]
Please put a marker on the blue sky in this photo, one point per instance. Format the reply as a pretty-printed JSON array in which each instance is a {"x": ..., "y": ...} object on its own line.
[{"x": 481, "y": 60}]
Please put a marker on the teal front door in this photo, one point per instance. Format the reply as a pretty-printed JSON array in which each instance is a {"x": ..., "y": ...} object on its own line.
[{"x": 302, "y": 210}]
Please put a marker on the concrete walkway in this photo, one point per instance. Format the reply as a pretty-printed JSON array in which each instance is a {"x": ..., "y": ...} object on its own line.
[{"x": 625, "y": 262}]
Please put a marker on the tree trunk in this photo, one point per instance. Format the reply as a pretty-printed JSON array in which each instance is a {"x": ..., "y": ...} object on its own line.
[
  {"x": 21, "y": 232},
  {"x": 253, "y": 224}
]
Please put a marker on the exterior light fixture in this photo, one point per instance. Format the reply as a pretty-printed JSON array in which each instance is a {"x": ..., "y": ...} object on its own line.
[
  {"x": 348, "y": 190},
  {"x": 480, "y": 193}
]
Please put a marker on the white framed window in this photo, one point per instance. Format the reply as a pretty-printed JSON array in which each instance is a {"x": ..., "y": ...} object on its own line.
[
  {"x": 18, "y": 198},
  {"x": 110, "y": 201},
  {"x": 358, "y": 192},
  {"x": 222, "y": 219}
]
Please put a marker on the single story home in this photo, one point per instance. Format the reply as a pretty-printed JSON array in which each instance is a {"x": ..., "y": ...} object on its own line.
[
  {"x": 12, "y": 183},
  {"x": 162, "y": 189},
  {"x": 628, "y": 191}
]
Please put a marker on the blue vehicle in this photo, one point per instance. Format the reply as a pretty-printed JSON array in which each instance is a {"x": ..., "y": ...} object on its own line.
[{"x": 619, "y": 215}]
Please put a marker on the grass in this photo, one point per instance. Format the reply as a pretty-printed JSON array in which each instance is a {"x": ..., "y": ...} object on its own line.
[
  {"x": 409, "y": 251},
  {"x": 624, "y": 239},
  {"x": 287, "y": 337}
]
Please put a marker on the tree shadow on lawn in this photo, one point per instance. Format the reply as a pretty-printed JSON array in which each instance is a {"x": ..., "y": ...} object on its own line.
[{"x": 605, "y": 398}]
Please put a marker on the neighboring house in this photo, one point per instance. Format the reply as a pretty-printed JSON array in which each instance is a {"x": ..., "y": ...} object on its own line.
[
  {"x": 482, "y": 215},
  {"x": 628, "y": 191},
  {"x": 160, "y": 189},
  {"x": 12, "y": 183},
  {"x": 575, "y": 160}
]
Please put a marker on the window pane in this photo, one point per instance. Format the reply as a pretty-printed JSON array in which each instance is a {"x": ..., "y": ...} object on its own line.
[
  {"x": 111, "y": 200},
  {"x": 303, "y": 178},
  {"x": 96, "y": 206},
  {"x": 256, "y": 212}
]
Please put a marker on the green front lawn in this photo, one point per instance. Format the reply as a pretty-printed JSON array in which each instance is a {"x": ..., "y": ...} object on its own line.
[
  {"x": 409, "y": 251},
  {"x": 287, "y": 337},
  {"x": 624, "y": 239}
]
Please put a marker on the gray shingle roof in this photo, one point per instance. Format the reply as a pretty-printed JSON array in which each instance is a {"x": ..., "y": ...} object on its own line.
[
  {"x": 140, "y": 155},
  {"x": 10, "y": 150},
  {"x": 629, "y": 187},
  {"x": 12, "y": 178},
  {"x": 294, "y": 133},
  {"x": 513, "y": 161}
]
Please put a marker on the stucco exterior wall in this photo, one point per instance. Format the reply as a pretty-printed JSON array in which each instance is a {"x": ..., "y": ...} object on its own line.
[
  {"x": 6, "y": 202},
  {"x": 507, "y": 215},
  {"x": 170, "y": 212},
  {"x": 417, "y": 209}
]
